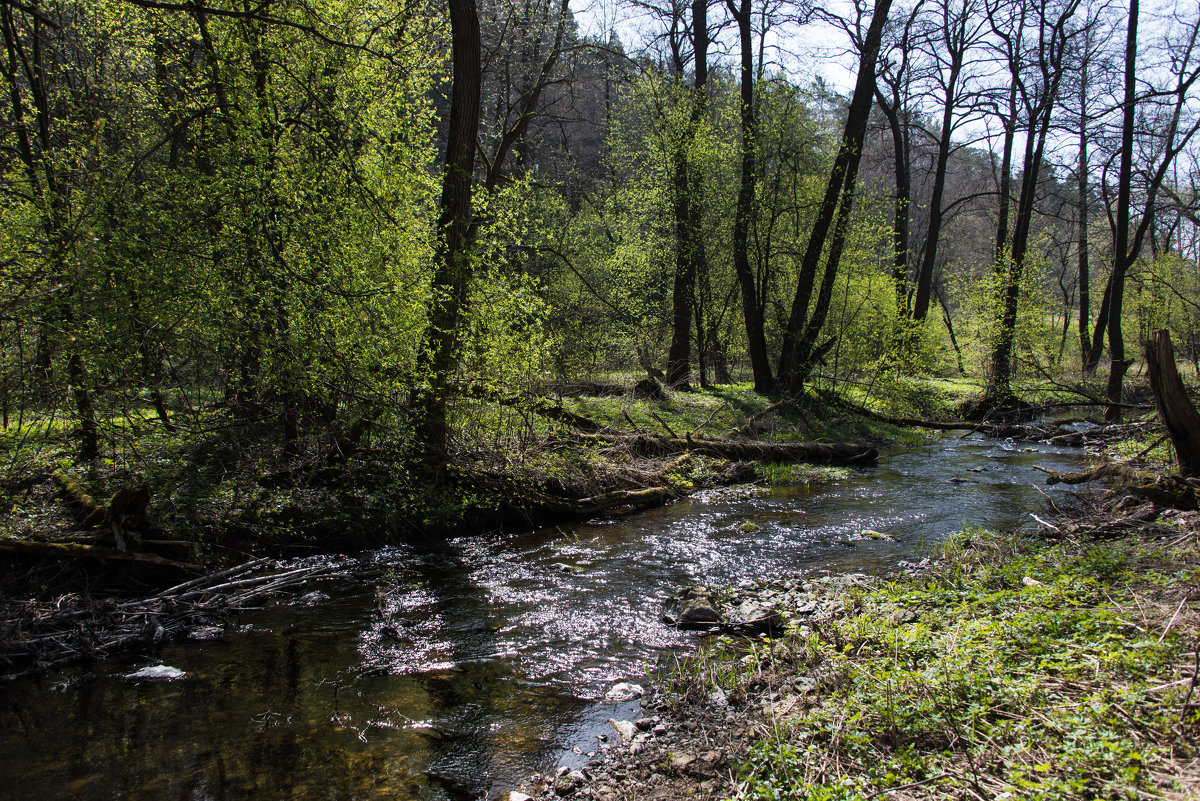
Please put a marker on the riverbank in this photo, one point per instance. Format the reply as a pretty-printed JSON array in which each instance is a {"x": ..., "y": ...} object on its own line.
[
  {"x": 1061, "y": 664},
  {"x": 210, "y": 501}
]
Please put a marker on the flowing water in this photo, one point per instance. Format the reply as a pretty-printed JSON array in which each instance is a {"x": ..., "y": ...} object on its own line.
[{"x": 453, "y": 670}]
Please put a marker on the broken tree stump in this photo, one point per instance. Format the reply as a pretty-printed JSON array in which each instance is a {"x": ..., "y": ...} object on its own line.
[{"x": 1179, "y": 416}]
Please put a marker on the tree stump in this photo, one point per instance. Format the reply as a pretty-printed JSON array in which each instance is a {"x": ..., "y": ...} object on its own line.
[{"x": 1179, "y": 416}]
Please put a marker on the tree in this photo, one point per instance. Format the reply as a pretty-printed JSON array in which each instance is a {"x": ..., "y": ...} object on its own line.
[
  {"x": 690, "y": 256},
  {"x": 1170, "y": 141},
  {"x": 453, "y": 259},
  {"x": 958, "y": 29},
  {"x": 799, "y": 350},
  {"x": 1038, "y": 90}
]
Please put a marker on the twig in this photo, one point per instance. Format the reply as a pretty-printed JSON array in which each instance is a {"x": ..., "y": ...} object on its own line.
[
  {"x": 1045, "y": 523},
  {"x": 908, "y": 786},
  {"x": 708, "y": 419},
  {"x": 1178, "y": 609},
  {"x": 1187, "y": 701},
  {"x": 664, "y": 424}
]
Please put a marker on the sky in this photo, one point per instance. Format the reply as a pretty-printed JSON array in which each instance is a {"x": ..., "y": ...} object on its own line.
[{"x": 816, "y": 49}]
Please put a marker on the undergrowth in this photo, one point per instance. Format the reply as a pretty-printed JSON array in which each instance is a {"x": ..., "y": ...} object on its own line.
[{"x": 1013, "y": 668}]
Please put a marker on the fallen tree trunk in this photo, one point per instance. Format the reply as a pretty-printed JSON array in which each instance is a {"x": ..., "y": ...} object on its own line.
[
  {"x": 831, "y": 453},
  {"x": 74, "y": 550},
  {"x": 1176, "y": 492},
  {"x": 615, "y": 502}
]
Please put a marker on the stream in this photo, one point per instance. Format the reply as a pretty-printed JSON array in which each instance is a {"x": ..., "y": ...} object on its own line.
[{"x": 456, "y": 669}]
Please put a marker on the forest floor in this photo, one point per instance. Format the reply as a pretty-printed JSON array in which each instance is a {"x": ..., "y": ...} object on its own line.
[{"x": 1059, "y": 664}]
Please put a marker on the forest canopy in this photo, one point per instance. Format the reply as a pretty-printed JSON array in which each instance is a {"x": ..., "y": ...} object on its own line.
[{"x": 347, "y": 219}]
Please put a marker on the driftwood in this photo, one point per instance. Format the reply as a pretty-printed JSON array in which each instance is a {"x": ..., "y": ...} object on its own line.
[
  {"x": 45, "y": 635},
  {"x": 1179, "y": 416}
]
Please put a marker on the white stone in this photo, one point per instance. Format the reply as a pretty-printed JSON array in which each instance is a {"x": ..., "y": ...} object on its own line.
[
  {"x": 624, "y": 691},
  {"x": 624, "y": 728},
  {"x": 157, "y": 673}
]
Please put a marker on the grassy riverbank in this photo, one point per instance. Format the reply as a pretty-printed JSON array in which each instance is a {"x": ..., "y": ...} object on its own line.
[{"x": 1012, "y": 666}]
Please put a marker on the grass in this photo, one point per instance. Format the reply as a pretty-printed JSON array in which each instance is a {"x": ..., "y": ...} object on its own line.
[{"x": 1015, "y": 668}]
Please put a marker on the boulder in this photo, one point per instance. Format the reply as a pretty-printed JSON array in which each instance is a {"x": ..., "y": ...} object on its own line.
[{"x": 754, "y": 617}]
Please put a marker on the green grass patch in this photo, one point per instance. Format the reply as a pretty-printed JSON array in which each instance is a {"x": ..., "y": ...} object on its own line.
[{"x": 1014, "y": 669}]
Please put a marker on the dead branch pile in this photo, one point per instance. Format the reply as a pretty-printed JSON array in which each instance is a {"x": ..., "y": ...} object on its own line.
[
  {"x": 45, "y": 635},
  {"x": 1066, "y": 432}
]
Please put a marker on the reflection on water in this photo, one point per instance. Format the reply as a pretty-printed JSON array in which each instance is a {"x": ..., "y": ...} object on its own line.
[{"x": 451, "y": 671}]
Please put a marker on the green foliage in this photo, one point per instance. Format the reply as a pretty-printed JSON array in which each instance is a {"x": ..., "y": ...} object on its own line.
[
  {"x": 1015, "y": 668},
  {"x": 978, "y": 297}
]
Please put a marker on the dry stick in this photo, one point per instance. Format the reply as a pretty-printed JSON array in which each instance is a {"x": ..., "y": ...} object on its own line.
[
  {"x": 908, "y": 786},
  {"x": 707, "y": 420},
  {"x": 1178, "y": 609},
  {"x": 630, "y": 419},
  {"x": 242, "y": 583},
  {"x": 1187, "y": 701},
  {"x": 664, "y": 424},
  {"x": 1045, "y": 523},
  {"x": 233, "y": 571}
]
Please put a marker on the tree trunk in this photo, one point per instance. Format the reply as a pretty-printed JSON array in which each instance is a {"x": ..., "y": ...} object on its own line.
[
  {"x": 799, "y": 351},
  {"x": 452, "y": 273},
  {"x": 934, "y": 232},
  {"x": 1179, "y": 416},
  {"x": 689, "y": 206},
  {"x": 1085, "y": 278},
  {"x": 900, "y": 211},
  {"x": 1116, "y": 338},
  {"x": 752, "y": 310}
]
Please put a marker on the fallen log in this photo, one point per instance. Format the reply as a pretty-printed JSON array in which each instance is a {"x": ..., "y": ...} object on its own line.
[
  {"x": 617, "y": 501},
  {"x": 1105, "y": 471},
  {"x": 74, "y": 550},
  {"x": 832, "y": 453}
]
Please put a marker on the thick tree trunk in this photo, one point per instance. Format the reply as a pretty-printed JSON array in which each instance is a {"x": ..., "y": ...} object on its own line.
[
  {"x": 440, "y": 352},
  {"x": 1179, "y": 416},
  {"x": 689, "y": 204},
  {"x": 901, "y": 208}
]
